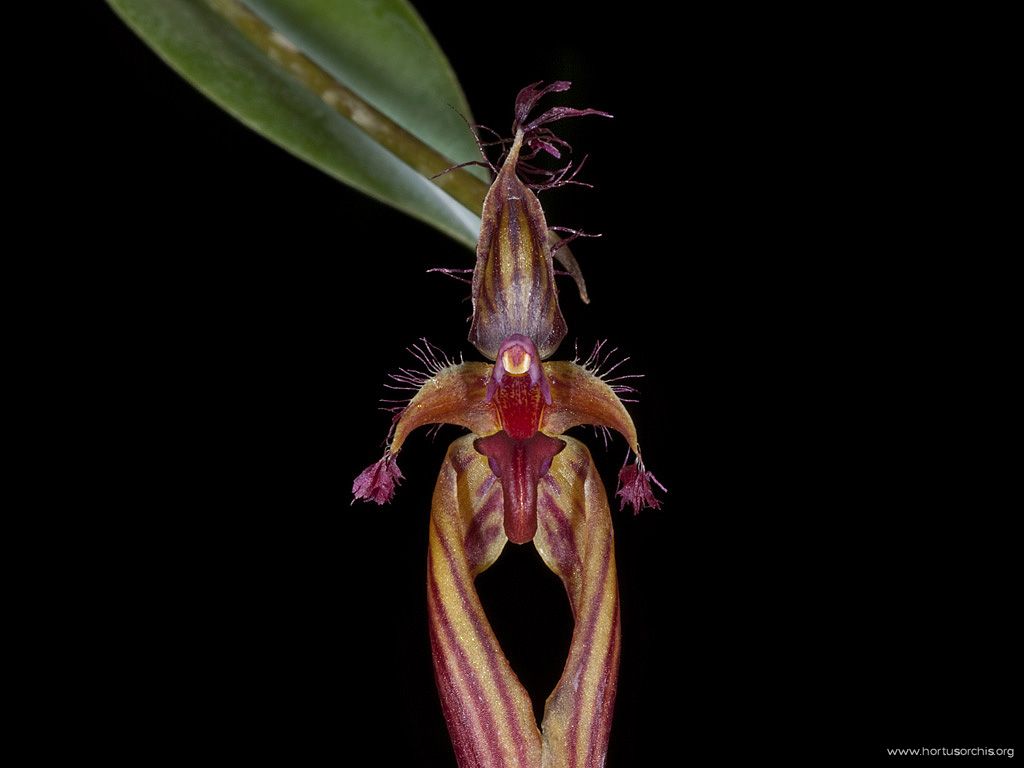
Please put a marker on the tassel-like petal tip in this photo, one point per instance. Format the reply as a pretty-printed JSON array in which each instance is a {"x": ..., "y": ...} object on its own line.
[
  {"x": 378, "y": 481},
  {"x": 635, "y": 488}
]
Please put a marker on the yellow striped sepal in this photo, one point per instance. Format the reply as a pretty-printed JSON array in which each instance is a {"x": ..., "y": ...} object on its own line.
[{"x": 489, "y": 714}]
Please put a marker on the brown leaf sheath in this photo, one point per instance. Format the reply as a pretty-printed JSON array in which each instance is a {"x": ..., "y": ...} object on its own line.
[{"x": 489, "y": 714}]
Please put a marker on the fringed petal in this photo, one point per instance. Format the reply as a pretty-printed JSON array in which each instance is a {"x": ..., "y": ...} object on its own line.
[
  {"x": 378, "y": 481},
  {"x": 453, "y": 395},
  {"x": 635, "y": 488},
  {"x": 579, "y": 397}
]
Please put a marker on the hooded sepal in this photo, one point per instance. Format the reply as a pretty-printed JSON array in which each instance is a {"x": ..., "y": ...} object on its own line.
[{"x": 514, "y": 288}]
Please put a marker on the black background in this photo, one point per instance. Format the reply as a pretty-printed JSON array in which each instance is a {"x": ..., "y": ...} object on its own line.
[{"x": 831, "y": 566}]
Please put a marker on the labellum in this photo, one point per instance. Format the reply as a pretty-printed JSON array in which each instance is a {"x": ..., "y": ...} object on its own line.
[{"x": 518, "y": 478}]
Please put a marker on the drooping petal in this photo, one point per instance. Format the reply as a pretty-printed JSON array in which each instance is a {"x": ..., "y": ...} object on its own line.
[
  {"x": 489, "y": 714},
  {"x": 454, "y": 395},
  {"x": 579, "y": 397},
  {"x": 572, "y": 267}
]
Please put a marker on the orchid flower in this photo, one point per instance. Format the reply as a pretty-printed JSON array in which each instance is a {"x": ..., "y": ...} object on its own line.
[{"x": 517, "y": 477}]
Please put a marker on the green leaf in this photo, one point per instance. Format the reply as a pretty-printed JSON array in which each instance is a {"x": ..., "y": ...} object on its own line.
[
  {"x": 357, "y": 88},
  {"x": 383, "y": 51}
]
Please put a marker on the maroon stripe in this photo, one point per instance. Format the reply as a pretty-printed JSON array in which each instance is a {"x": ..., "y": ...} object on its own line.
[
  {"x": 486, "y": 485},
  {"x": 477, "y": 550},
  {"x": 514, "y": 240},
  {"x": 605, "y": 698},
  {"x": 492, "y": 657},
  {"x": 539, "y": 299},
  {"x": 489, "y": 298},
  {"x": 563, "y": 545},
  {"x": 485, "y": 250},
  {"x": 482, "y": 530},
  {"x": 592, "y": 618},
  {"x": 461, "y": 459},
  {"x": 581, "y": 466},
  {"x": 465, "y": 667},
  {"x": 494, "y": 257},
  {"x": 454, "y": 715}
]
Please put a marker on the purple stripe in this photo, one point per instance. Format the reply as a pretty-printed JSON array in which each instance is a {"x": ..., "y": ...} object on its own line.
[
  {"x": 494, "y": 256},
  {"x": 563, "y": 544},
  {"x": 465, "y": 668},
  {"x": 514, "y": 241},
  {"x": 492, "y": 657},
  {"x": 454, "y": 715},
  {"x": 486, "y": 485},
  {"x": 482, "y": 530},
  {"x": 485, "y": 249},
  {"x": 581, "y": 466},
  {"x": 460, "y": 460},
  {"x": 539, "y": 302},
  {"x": 476, "y": 550},
  {"x": 592, "y": 617},
  {"x": 489, "y": 298},
  {"x": 605, "y": 698}
]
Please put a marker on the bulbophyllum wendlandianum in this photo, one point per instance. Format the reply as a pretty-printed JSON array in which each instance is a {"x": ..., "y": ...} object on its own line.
[{"x": 517, "y": 477}]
